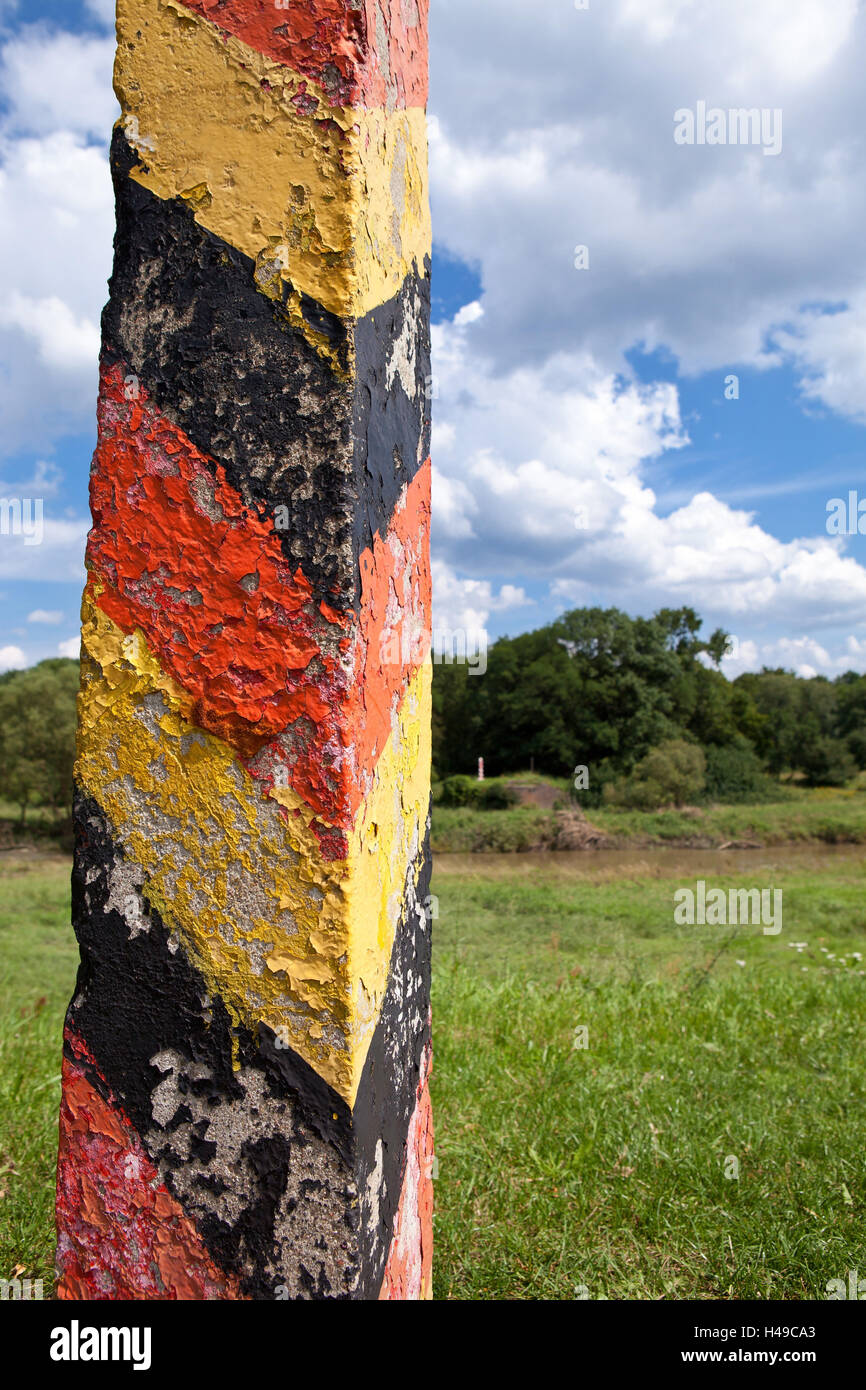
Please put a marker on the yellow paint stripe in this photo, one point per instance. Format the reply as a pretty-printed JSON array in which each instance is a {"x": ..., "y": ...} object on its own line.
[
  {"x": 332, "y": 200},
  {"x": 282, "y": 935}
]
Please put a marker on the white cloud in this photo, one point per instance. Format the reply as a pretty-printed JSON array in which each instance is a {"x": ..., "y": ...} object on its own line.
[
  {"x": 104, "y": 10},
  {"x": 44, "y": 481},
  {"x": 562, "y": 134},
  {"x": 465, "y": 605},
  {"x": 49, "y": 617},
  {"x": 58, "y": 81},
  {"x": 56, "y": 224},
  {"x": 71, "y": 648},
  {"x": 828, "y": 348},
  {"x": 60, "y": 557},
  {"x": 12, "y": 659},
  {"x": 803, "y": 655},
  {"x": 63, "y": 340},
  {"x": 794, "y": 40},
  {"x": 543, "y": 474}
]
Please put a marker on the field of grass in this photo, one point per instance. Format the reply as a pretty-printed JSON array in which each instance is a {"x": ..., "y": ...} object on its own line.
[
  {"x": 567, "y": 1171},
  {"x": 819, "y": 815},
  {"x": 38, "y": 960}
]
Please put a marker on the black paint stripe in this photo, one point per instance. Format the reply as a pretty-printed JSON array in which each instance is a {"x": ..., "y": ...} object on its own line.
[
  {"x": 225, "y": 364},
  {"x": 138, "y": 998}
]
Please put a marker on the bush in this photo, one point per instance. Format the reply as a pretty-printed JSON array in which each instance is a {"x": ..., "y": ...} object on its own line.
[
  {"x": 460, "y": 790},
  {"x": 735, "y": 773},
  {"x": 497, "y": 796},
  {"x": 468, "y": 792},
  {"x": 672, "y": 774},
  {"x": 827, "y": 762},
  {"x": 857, "y": 747}
]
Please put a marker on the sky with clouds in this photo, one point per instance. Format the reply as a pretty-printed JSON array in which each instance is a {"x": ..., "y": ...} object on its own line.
[{"x": 589, "y": 447}]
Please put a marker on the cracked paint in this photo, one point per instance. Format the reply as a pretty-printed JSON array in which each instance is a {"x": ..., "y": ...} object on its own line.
[
  {"x": 408, "y": 1274},
  {"x": 373, "y": 53},
  {"x": 310, "y": 190},
  {"x": 245, "y": 1104},
  {"x": 287, "y": 936},
  {"x": 125, "y": 1236},
  {"x": 305, "y": 696}
]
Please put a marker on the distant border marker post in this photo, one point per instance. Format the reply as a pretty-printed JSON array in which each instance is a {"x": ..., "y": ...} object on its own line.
[{"x": 245, "y": 1109}]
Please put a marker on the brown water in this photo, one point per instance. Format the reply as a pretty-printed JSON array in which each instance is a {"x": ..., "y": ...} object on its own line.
[{"x": 602, "y": 864}]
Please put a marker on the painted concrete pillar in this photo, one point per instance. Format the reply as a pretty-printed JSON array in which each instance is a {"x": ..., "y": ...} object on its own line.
[{"x": 245, "y": 1096}]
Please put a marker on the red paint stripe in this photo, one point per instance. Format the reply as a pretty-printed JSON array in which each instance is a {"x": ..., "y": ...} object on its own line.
[
  {"x": 121, "y": 1234},
  {"x": 337, "y": 45},
  {"x": 410, "y": 1259},
  {"x": 305, "y": 695}
]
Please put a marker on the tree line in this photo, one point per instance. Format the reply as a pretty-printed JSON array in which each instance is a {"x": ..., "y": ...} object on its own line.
[
  {"x": 627, "y": 697},
  {"x": 639, "y": 702},
  {"x": 37, "y": 736}
]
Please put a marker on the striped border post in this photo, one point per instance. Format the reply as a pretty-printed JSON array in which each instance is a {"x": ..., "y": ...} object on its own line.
[{"x": 245, "y": 1108}]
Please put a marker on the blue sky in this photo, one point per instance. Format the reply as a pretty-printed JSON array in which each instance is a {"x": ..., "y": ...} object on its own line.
[{"x": 584, "y": 450}]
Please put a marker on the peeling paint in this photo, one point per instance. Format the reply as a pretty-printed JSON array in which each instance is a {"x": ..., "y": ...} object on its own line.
[
  {"x": 333, "y": 43},
  {"x": 308, "y": 698},
  {"x": 409, "y": 1272},
  {"x": 307, "y": 186},
  {"x": 288, "y": 937},
  {"x": 245, "y": 1103},
  {"x": 124, "y": 1236}
]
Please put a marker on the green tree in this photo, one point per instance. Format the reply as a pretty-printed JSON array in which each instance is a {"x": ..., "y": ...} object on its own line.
[
  {"x": 673, "y": 774},
  {"x": 37, "y": 735}
]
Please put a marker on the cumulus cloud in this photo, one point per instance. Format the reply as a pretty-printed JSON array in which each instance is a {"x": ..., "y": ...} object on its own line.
[
  {"x": 554, "y": 128},
  {"x": 542, "y": 472},
  {"x": 50, "y": 617},
  {"x": 828, "y": 348},
  {"x": 71, "y": 648},
  {"x": 56, "y": 223},
  {"x": 63, "y": 341},
  {"x": 12, "y": 659},
  {"x": 58, "y": 81},
  {"x": 787, "y": 39},
  {"x": 59, "y": 559},
  {"x": 803, "y": 655},
  {"x": 103, "y": 10},
  {"x": 465, "y": 605}
]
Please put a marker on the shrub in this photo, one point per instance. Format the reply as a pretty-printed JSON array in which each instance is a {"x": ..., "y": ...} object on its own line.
[
  {"x": 497, "y": 796},
  {"x": 827, "y": 762},
  {"x": 460, "y": 790},
  {"x": 672, "y": 774},
  {"x": 735, "y": 773}
]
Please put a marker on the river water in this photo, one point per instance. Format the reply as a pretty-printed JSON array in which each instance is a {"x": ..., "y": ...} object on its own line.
[{"x": 601, "y": 864}]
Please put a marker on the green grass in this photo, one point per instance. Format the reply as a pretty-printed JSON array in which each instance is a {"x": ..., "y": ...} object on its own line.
[
  {"x": 828, "y": 816},
  {"x": 38, "y": 960},
  {"x": 563, "y": 1168},
  {"x": 825, "y": 815},
  {"x": 463, "y": 830},
  {"x": 603, "y": 1168}
]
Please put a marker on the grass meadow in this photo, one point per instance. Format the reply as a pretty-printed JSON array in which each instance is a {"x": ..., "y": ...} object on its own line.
[
  {"x": 803, "y": 815},
  {"x": 708, "y": 1141}
]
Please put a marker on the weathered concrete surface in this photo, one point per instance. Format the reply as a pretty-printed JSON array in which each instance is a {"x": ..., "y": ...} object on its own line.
[{"x": 246, "y": 1101}]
